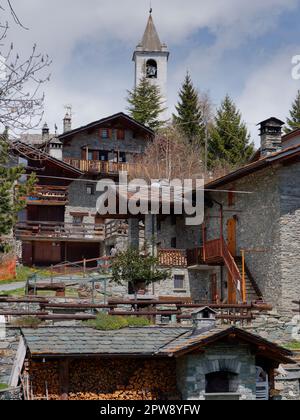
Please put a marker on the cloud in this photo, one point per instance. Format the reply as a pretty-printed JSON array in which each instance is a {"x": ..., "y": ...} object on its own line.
[
  {"x": 270, "y": 90},
  {"x": 91, "y": 43}
]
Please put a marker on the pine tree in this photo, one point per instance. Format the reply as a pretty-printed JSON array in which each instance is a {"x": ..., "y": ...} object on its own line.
[
  {"x": 146, "y": 105},
  {"x": 294, "y": 121},
  {"x": 229, "y": 140},
  {"x": 189, "y": 117},
  {"x": 11, "y": 195}
]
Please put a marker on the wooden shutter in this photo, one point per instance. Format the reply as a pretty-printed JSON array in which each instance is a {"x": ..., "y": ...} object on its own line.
[
  {"x": 121, "y": 134},
  {"x": 83, "y": 154}
]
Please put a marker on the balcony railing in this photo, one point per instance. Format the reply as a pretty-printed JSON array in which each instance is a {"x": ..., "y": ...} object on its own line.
[
  {"x": 172, "y": 257},
  {"x": 48, "y": 195},
  {"x": 59, "y": 231},
  {"x": 97, "y": 166}
]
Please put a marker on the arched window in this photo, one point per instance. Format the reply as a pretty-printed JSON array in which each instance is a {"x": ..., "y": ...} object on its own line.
[
  {"x": 221, "y": 382},
  {"x": 151, "y": 69}
]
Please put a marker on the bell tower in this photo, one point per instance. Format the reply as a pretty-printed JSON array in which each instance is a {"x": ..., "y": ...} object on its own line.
[{"x": 151, "y": 59}]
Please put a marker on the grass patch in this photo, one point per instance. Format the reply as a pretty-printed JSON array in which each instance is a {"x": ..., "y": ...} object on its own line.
[
  {"x": 3, "y": 386},
  {"x": 107, "y": 322},
  {"x": 27, "y": 322},
  {"x": 293, "y": 345},
  {"x": 24, "y": 272}
]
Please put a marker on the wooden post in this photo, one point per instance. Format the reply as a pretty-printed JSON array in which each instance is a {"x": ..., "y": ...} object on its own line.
[
  {"x": 243, "y": 277},
  {"x": 84, "y": 267},
  {"x": 64, "y": 379}
]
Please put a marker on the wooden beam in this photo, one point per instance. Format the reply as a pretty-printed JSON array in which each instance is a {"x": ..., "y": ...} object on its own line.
[{"x": 64, "y": 378}]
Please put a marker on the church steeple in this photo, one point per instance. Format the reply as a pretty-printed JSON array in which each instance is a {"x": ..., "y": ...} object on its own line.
[{"x": 151, "y": 58}]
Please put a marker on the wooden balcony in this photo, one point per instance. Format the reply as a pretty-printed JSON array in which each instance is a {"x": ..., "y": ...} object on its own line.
[
  {"x": 48, "y": 195},
  {"x": 98, "y": 167},
  {"x": 195, "y": 257},
  {"x": 55, "y": 231},
  {"x": 172, "y": 257}
]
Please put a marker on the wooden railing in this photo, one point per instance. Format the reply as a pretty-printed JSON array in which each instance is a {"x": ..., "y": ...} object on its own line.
[
  {"x": 116, "y": 228},
  {"x": 44, "y": 194},
  {"x": 56, "y": 230},
  {"x": 172, "y": 257},
  {"x": 98, "y": 166},
  {"x": 233, "y": 269}
]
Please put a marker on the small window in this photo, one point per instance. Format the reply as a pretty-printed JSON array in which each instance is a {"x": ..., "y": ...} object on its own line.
[
  {"x": 174, "y": 243},
  {"x": 231, "y": 198},
  {"x": 103, "y": 156},
  {"x": 178, "y": 282},
  {"x": 122, "y": 157},
  {"x": 77, "y": 220},
  {"x": 90, "y": 155},
  {"x": 104, "y": 133},
  {"x": 90, "y": 189}
]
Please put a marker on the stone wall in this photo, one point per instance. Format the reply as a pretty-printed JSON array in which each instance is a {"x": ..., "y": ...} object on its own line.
[
  {"x": 11, "y": 394},
  {"x": 191, "y": 371}
]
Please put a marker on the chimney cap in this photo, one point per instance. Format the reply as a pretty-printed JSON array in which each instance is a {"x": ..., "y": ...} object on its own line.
[
  {"x": 205, "y": 310},
  {"x": 272, "y": 121}
]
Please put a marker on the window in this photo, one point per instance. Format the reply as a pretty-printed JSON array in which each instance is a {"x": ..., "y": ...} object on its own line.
[
  {"x": 77, "y": 220},
  {"x": 174, "y": 243},
  {"x": 122, "y": 157},
  {"x": 151, "y": 69},
  {"x": 90, "y": 155},
  {"x": 103, "y": 156},
  {"x": 90, "y": 189},
  {"x": 104, "y": 133},
  {"x": 173, "y": 220},
  {"x": 178, "y": 282},
  {"x": 231, "y": 198}
]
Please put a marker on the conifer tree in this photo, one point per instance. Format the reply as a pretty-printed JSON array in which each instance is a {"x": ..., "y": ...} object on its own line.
[
  {"x": 189, "y": 118},
  {"x": 293, "y": 122},
  {"x": 146, "y": 104},
  {"x": 11, "y": 195},
  {"x": 229, "y": 142}
]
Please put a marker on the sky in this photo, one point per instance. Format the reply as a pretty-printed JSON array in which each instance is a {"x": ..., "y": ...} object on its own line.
[{"x": 240, "y": 47}]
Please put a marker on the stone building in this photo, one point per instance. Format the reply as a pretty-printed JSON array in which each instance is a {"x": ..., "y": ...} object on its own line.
[{"x": 205, "y": 362}]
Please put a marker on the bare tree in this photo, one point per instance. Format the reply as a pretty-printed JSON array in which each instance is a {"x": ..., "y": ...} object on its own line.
[
  {"x": 21, "y": 99},
  {"x": 170, "y": 156}
]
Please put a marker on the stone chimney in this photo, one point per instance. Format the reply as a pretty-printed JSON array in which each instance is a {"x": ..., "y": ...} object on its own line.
[
  {"x": 56, "y": 148},
  {"x": 45, "y": 132},
  {"x": 270, "y": 136},
  {"x": 67, "y": 122},
  {"x": 204, "y": 319}
]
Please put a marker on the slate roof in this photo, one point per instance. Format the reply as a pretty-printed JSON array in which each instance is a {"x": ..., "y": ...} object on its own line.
[
  {"x": 88, "y": 341},
  {"x": 34, "y": 139},
  {"x": 147, "y": 341},
  {"x": 150, "y": 41}
]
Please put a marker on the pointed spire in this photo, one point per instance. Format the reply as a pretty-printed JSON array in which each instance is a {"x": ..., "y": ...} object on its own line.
[{"x": 151, "y": 41}]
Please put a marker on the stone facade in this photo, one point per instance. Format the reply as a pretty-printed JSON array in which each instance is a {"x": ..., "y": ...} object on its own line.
[{"x": 191, "y": 371}]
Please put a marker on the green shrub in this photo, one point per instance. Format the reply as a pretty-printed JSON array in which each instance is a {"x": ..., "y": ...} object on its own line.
[
  {"x": 293, "y": 345},
  {"x": 27, "y": 322},
  {"x": 3, "y": 386},
  {"x": 107, "y": 322}
]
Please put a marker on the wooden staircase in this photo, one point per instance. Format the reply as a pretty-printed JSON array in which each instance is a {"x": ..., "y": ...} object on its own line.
[{"x": 253, "y": 292}]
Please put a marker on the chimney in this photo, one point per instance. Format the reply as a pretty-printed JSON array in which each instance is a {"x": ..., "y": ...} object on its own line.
[
  {"x": 203, "y": 319},
  {"x": 67, "y": 122},
  {"x": 56, "y": 148},
  {"x": 45, "y": 132},
  {"x": 270, "y": 136}
]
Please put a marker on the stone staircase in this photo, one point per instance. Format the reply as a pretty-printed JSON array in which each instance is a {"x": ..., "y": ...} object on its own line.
[{"x": 253, "y": 292}]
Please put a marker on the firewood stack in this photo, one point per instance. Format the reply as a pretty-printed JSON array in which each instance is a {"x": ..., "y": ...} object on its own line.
[
  {"x": 44, "y": 377},
  {"x": 114, "y": 379}
]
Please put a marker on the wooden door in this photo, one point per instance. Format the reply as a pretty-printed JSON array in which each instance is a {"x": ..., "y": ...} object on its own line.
[{"x": 231, "y": 241}]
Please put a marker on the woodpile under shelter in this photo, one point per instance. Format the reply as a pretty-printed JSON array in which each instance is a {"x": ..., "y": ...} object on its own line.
[{"x": 149, "y": 363}]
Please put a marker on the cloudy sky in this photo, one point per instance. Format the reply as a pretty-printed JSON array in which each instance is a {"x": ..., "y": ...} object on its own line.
[{"x": 239, "y": 47}]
